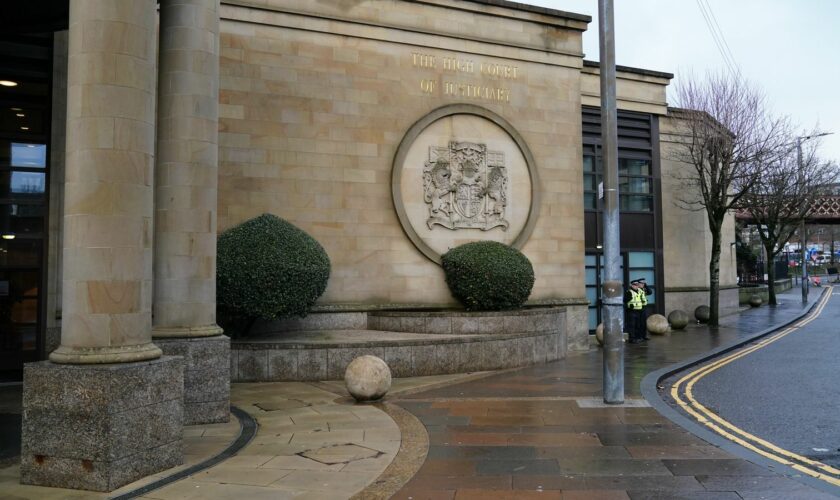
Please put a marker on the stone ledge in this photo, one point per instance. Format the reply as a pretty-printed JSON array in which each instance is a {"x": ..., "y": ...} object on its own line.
[
  {"x": 413, "y": 343},
  {"x": 468, "y": 323},
  {"x": 363, "y": 338},
  {"x": 448, "y": 307},
  {"x": 324, "y": 320},
  {"x": 276, "y": 361}
]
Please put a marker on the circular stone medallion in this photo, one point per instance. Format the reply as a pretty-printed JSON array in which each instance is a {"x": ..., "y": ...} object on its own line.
[{"x": 462, "y": 173}]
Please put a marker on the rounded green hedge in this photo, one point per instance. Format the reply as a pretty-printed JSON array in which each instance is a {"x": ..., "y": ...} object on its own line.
[
  {"x": 267, "y": 268},
  {"x": 488, "y": 276}
]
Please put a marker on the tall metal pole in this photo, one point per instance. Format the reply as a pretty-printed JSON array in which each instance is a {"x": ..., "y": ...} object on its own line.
[
  {"x": 613, "y": 290},
  {"x": 803, "y": 237}
]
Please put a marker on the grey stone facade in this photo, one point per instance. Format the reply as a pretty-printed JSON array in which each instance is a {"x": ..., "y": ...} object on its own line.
[
  {"x": 99, "y": 427},
  {"x": 318, "y": 321},
  {"x": 577, "y": 319},
  {"x": 206, "y": 376}
]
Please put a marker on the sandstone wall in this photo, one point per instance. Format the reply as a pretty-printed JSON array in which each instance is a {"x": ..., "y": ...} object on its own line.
[
  {"x": 313, "y": 105},
  {"x": 687, "y": 242}
]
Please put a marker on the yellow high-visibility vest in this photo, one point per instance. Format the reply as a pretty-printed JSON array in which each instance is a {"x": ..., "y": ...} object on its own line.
[{"x": 638, "y": 300}]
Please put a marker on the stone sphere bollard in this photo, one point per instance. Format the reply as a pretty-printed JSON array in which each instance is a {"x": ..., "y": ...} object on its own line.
[
  {"x": 657, "y": 324},
  {"x": 702, "y": 314},
  {"x": 756, "y": 300},
  {"x": 367, "y": 378},
  {"x": 599, "y": 334},
  {"x": 678, "y": 319}
]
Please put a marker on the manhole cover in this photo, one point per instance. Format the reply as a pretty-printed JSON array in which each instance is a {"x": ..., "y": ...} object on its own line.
[{"x": 340, "y": 454}]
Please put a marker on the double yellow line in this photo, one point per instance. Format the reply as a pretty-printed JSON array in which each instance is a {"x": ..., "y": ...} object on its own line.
[{"x": 717, "y": 424}]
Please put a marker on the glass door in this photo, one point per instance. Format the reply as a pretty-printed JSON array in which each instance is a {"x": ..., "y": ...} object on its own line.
[
  {"x": 634, "y": 265},
  {"x": 22, "y": 228},
  {"x": 25, "y": 117}
]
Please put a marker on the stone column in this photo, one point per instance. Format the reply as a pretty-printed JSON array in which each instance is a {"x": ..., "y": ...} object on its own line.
[
  {"x": 109, "y": 161},
  {"x": 106, "y": 409},
  {"x": 186, "y": 178}
]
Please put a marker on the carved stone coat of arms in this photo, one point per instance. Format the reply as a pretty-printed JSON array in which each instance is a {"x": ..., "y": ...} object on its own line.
[{"x": 465, "y": 186}]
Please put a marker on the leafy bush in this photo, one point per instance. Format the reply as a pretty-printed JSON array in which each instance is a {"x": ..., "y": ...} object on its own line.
[
  {"x": 488, "y": 276},
  {"x": 267, "y": 268}
]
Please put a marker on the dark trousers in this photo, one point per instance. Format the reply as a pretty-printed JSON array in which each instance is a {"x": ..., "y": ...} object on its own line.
[{"x": 635, "y": 324}]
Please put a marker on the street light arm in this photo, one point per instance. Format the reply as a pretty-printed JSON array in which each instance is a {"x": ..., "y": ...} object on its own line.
[{"x": 808, "y": 137}]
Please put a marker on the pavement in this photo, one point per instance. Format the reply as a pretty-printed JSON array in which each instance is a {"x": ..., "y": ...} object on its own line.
[{"x": 538, "y": 432}]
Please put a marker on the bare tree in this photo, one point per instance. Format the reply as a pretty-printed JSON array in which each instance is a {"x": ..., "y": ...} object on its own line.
[
  {"x": 725, "y": 132},
  {"x": 782, "y": 197}
]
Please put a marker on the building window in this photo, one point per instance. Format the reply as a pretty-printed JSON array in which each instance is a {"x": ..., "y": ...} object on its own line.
[
  {"x": 641, "y": 265},
  {"x": 635, "y": 182},
  {"x": 635, "y": 185},
  {"x": 591, "y": 274},
  {"x": 591, "y": 178}
]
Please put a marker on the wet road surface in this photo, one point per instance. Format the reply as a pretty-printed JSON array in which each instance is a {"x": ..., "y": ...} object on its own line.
[{"x": 785, "y": 392}]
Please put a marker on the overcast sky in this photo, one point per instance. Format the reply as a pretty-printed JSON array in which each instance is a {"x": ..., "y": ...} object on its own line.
[{"x": 791, "y": 49}]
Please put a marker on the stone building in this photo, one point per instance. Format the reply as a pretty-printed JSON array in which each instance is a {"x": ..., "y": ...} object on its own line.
[{"x": 388, "y": 130}]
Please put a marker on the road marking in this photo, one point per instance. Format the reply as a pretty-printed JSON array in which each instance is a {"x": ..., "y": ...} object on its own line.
[{"x": 728, "y": 430}]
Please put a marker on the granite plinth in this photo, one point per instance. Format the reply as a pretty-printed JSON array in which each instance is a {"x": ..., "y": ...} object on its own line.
[
  {"x": 99, "y": 427},
  {"x": 420, "y": 344},
  {"x": 206, "y": 376}
]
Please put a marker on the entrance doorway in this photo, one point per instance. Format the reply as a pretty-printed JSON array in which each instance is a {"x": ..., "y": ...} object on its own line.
[
  {"x": 25, "y": 96},
  {"x": 634, "y": 265}
]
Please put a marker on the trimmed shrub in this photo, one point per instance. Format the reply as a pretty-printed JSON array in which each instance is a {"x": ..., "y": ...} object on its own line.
[
  {"x": 488, "y": 276},
  {"x": 269, "y": 269}
]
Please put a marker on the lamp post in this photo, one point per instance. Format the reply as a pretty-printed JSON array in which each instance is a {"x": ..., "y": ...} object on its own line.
[
  {"x": 613, "y": 289},
  {"x": 803, "y": 238}
]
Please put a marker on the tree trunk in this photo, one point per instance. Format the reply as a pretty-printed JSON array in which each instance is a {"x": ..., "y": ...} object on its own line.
[
  {"x": 714, "y": 278},
  {"x": 770, "y": 266}
]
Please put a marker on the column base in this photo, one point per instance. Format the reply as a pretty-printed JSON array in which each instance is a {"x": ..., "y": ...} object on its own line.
[
  {"x": 206, "y": 376},
  {"x": 99, "y": 427},
  {"x": 186, "y": 331},
  {"x": 104, "y": 355}
]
